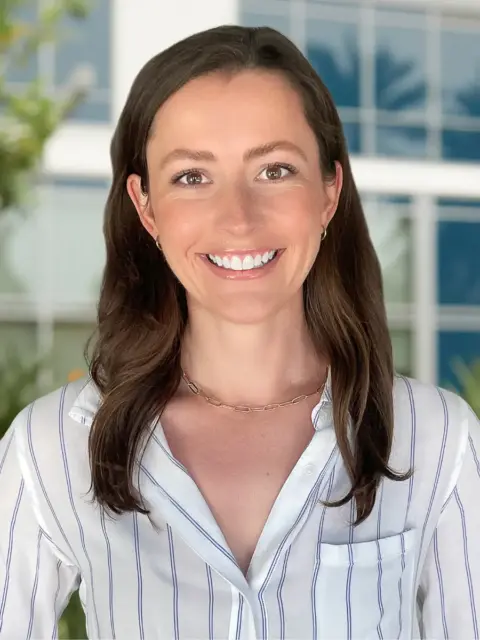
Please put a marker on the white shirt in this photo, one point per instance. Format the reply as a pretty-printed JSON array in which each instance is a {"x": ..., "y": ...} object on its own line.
[{"x": 412, "y": 569}]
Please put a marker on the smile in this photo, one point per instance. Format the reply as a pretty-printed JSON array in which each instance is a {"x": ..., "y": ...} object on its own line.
[{"x": 243, "y": 262}]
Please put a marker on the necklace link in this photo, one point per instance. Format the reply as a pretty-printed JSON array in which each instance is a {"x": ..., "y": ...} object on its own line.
[{"x": 196, "y": 390}]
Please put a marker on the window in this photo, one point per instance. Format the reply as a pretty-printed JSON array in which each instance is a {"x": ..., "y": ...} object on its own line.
[
  {"x": 455, "y": 347},
  {"x": 69, "y": 342},
  {"x": 51, "y": 264},
  {"x": 402, "y": 351},
  {"x": 460, "y": 62},
  {"x": 405, "y": 80},
  {"x": 63, "y": 227},
  {"x": 459, "y": 262},
  {"x": 389, "y": 224},
  {"x": 82, "y": 45}
]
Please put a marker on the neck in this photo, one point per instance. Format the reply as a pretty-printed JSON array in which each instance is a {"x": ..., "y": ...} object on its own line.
[{"x": 252, "y": 364}]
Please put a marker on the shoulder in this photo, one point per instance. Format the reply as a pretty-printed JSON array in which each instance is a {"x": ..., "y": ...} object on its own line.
[
  {"x": 51, "y": 443},
  {"x": 429, "y": 409},
  {"x": 47, "y": 419},
  {"x": 431, "y": 433}
]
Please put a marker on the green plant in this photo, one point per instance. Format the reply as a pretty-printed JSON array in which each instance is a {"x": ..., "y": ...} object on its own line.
[
  {"x": 30, "y": 117},
  {"x": 18, "y": 386}
]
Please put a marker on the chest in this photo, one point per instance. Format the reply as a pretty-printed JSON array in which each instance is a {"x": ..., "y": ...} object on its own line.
[
  {"x": 240, "y": 470},
  {"x": 313, "y": 589}
]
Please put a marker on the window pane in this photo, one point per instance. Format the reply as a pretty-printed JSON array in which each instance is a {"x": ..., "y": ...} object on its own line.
[
  {"x": 78, "y": 245},
  {"x": 454, "y": 347},
  {"x": 352, "y": 134},
  {"x": 460, "y": 62},
  {"x": 92, "y": 109},
  {"x": 400, "y": 69},
  {"x": 86, "y": 42},
  {"x": 402, "y": 351},
  {"x": 390, "y": 230},
  {"x": 461, "y": 145},
  {"x": 26, "y": 15},
  {"x": 401, "y": 141},
  {"x": 68, "y": 346},
  {"x": 459, "y": 262},
  {"x": 333, "y": 50},
  {"x": 279, "y": 21},
  {"x": 18, "y": 338},
  {"x": 19, "y": 249}
]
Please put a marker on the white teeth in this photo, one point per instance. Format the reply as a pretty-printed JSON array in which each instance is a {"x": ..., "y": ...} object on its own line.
[
  {"x": 236, "y": 263},
  {"x": 248, "y": 263}
]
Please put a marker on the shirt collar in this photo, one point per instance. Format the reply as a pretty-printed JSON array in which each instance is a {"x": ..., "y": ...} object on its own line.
[
  {"x": 89, "y": 398},
  {"x": 86, "y": 403}
]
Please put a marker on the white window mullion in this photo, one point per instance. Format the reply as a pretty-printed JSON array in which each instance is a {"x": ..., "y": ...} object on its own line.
[{"x": 424, "y": 240}]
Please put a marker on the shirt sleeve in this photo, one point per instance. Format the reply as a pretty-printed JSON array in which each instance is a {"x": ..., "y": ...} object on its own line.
[
  {"x": 35, "y": 585},
  {"x": 450, "y": 581}
]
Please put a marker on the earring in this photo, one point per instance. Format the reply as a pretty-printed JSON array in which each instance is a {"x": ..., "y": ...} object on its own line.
[
  {"x": 324, "y": 234},
  {"x": 157, "y": 244}
]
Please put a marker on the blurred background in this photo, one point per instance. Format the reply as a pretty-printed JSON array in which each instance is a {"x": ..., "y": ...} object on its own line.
[{"x": 405, "y": 75}]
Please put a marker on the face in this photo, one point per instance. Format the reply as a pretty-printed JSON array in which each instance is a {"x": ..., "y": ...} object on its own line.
[{"x": 236, "y": 195}]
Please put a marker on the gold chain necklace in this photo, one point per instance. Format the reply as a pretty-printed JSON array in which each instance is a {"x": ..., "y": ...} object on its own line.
[{"x": 195, "y": 389}]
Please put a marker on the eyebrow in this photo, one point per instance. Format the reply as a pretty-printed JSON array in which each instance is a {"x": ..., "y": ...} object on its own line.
[{"x": 250, "y": 154}]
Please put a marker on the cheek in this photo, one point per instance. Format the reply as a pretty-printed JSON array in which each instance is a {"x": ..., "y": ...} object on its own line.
[
  {"x": 179, "y": 224},
  {"x": 298, "y": 211}
]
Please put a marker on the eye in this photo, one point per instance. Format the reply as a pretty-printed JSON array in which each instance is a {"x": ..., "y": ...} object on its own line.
[
  {"x": 277, "y": 172},
  {"x": 191, "y": 178}
]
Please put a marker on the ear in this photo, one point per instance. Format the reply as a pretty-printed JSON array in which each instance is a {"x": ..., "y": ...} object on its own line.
[
  {"x": 333, "y": 188},
  {"x": 142, "y": 204}
]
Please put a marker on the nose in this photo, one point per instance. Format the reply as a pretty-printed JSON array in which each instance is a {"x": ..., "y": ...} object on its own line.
[{"x": 238, "y": 214}]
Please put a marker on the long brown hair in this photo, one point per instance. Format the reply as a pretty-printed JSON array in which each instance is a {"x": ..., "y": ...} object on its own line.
[{"x": 142, "y": 311}]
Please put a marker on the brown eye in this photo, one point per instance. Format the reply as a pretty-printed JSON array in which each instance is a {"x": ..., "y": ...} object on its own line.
[
  {"x": 193, "y": 178},
  {"x": 276, "y": 172}
]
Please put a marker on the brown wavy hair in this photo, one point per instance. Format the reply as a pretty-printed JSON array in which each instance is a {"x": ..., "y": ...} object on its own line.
[{"x": 142, "y": 310}]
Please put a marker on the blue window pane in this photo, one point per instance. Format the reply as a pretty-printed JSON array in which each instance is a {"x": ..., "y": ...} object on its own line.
[
  {"x": 461, "y": 145},
  {"x": 454, "y": 202},
  {"x": 86, "y": 42},
  {"x": 400, "y": 69},
  {"x": 455, "y": 347},
  {"x": 459, "y": 262},
  {"x": 352, "y": 134},
  {"x": 410, "y": 142},
  {"x": 26, "y": 70},
  {"x": 254, "y": 19},
  {"x": 333, "y": 51},
  {"x": 460, "y": 61},
  {"x": 92, "y": 110}
]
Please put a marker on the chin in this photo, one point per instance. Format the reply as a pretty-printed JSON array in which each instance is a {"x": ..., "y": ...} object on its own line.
[{"x": 248, "y": 310}]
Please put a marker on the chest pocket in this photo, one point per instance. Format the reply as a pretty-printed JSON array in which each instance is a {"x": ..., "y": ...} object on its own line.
[{"x": 364, "y": 590}]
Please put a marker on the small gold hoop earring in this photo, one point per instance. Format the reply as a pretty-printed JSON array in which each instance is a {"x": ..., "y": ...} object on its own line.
[
  {"x": 157, "y": 244},
  {"x": 324, "y": 234}
]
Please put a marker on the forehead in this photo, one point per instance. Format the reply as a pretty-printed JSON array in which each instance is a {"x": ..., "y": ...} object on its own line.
[{"x": 223, "y": 106}]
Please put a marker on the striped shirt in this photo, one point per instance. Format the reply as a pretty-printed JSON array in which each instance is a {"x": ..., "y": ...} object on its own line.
[{"x": 411, "y": 570}]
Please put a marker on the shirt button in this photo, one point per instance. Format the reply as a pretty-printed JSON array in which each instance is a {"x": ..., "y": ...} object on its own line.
[{"x": 309, "y": 469}]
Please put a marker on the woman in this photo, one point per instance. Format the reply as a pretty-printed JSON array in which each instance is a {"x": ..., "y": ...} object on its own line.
[{"x": 243, "y": 463}]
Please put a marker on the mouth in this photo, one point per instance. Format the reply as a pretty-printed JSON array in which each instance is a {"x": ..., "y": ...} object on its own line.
[{"x": 244, "y": 261}]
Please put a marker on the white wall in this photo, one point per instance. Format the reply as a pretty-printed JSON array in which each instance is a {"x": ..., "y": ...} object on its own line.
[{"x": 143, "y": 28}]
